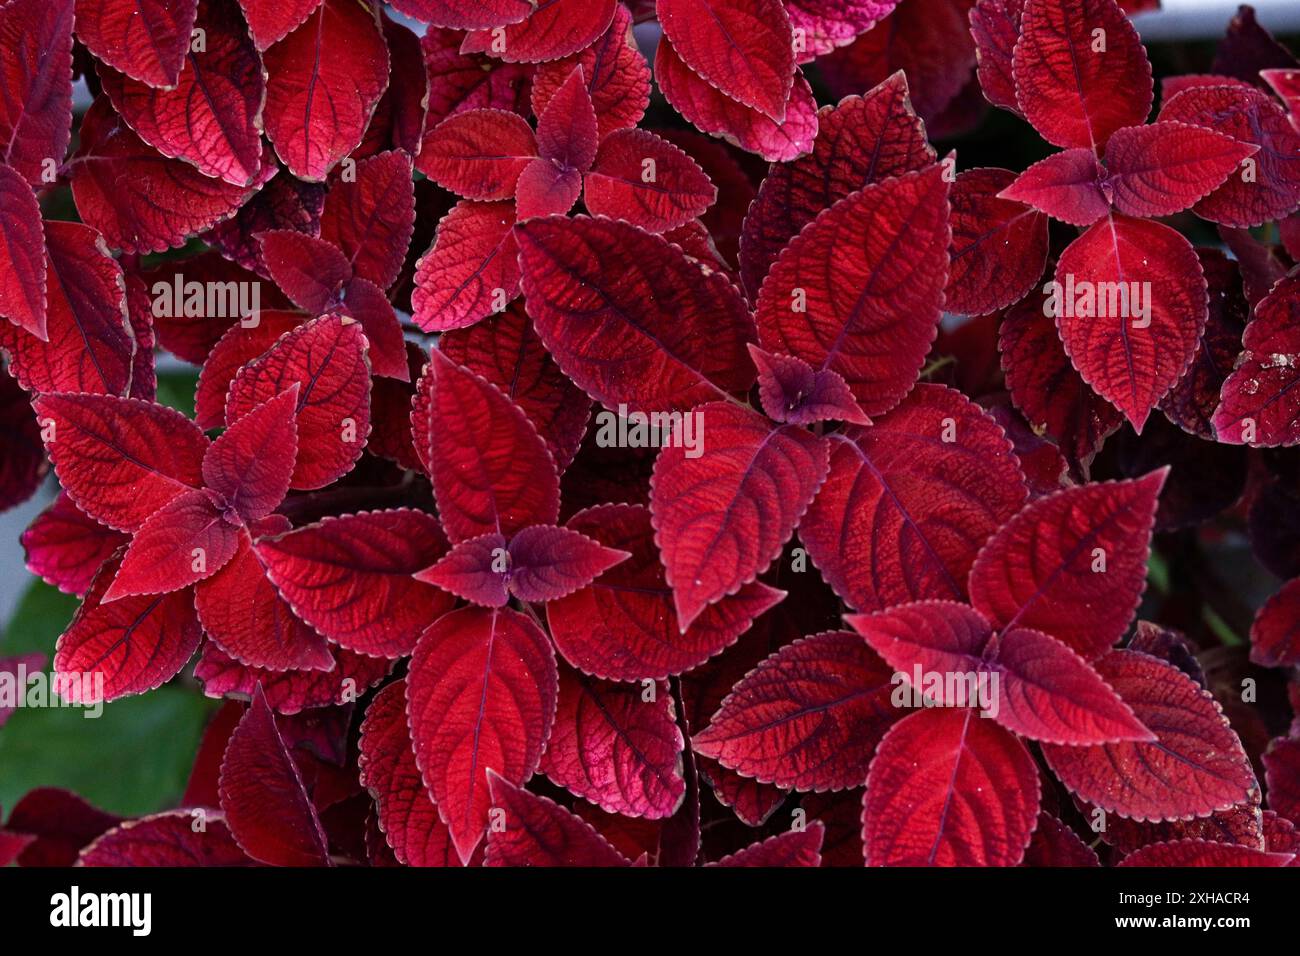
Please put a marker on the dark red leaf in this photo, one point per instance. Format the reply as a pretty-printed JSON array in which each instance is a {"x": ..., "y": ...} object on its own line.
[
  {"x": 370, "y": 216},
  {"x": 267, "y": 807},
  {"x": 252, "y": 462},
  {"x": 1282, "y": 774},
  {"x": 367, "y": 303},
  {"x": 995, "y": 27},
  {"x": 1259, "y": 403},
  {"x": 350, "y": 577},
  {"x": 479, "y": 153},
  {"x": 1162, "y": 168},
  {"x": 910, "y": 501},
  {"x": 146, "y": 40},
  {"x": 536, "y": 831},
  {"x": 1066, "y": 185},
  {"x": 471, "y": 270},
  {"x": 999, "y": 247},
  {"x": 466, "y": 14},
  {"x": 949, "y": 788},
  {"x": 1080, "y": 71},
  {"x": 793, "y": 848},
  {"x": 36, "y": 86},
  {"x": 170, "y": 838},
  {"x": 23, "y": 262},
  {"x": 790, "y": 391},
  {"x": 310, "y": 271},
  {"x": 481, "y": 697},
  {"x": 66, "y": 547},
  {"x": 1072, "y": 564},
  {"x": 1055, "y": 844},
  {"x": 291, "y": 692},
  {"x": 284, "y": 203},
  {"x": 1182, "y": 853},
  {"x": 323, "y": 82},
  {"x": 327, "y": 358},
  {"x": 646, "y": 180},
  {"x": 466, "y": 81},
  {"x": 60, "y": 823},
  {"x": 1195, "y": 767},
  {"x": 859, "y": 290},
  {"x": 554, "y": 29},
  {"x": 1275, "y": 633},
  {"x": 624, "y": 314},
  {"x": 272, "y": 20}
]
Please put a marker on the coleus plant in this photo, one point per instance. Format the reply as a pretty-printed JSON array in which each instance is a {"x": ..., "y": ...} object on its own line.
[{"x": 841, "y": 536}]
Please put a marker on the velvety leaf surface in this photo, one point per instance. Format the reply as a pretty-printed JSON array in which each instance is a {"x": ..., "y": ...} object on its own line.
[
  {"x": 538, "y": 832},
  {"x": 1162, "y": 168},
  {"x": 790, "y": 391},
  {"x": 646, "y": 180},
  {"x": 722, "y": 516},
  {"x": 948, "y": 788},
  {"x": 806, "y": 718},
  {"x": 859, "y": 290},
  {"x": 35, "y": 86},
  {"x": 146, "y": 39},
  {"x": 793, "y": 848},
  {"x": 624, "y": 626},
  {"x": 999, "y": 247},
  {"x": 407, "y": 815},
  {"x": 327, "y": 359},
  {"x": 554, "y": 29},
  {"x": 350, "y": 577},
  {"x": 323, "y": 83},
  {"x": 121, "y": 459},
  {"x": 23, "y": 262},
  {"x": 1072, "y": 92},
  {"x": 616, "y": 748},
  {"x": 1195, "y": 767},
  {"x": 491, "y": 470},
  {"x": 861, "y": 140},
  {"x": 262, "y": 793},
  {"x": 184, "y": 541},
  {"x": 481, "y": 693},
  {"x": 826, "y": 26},
  {"x": 251, "y": 463},
  {"x": 232, "y": 351},
  {"x": 270, "y": 21},
  {"x": 1071, "y": 564},
  {"x": 910, "y": 500},
  {"x": 166, "y": 839},
  {"x": 1130, "y": 355},
  {"x": 623, "y": 313},
  {"x": 212, "y": 116},
  {"x": 1066, "y": 185},
  {"x": 470, "y": 271},
  {"x": 66, "y": 547},
  {"x": 371, "y": 216},
  {"x": 479, "y": 153}
]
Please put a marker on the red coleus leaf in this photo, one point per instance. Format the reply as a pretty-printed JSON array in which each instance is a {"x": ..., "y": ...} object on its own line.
[
  {"x": 507, "y": 352},
  {"x": 367, "y": 303},
  {"x": 146, "y": 40},
  {"x": 1045, "y": 386},
  {"x": 166, "y": 839},
  {"x": 407, "y": 815},
  {"x": 1055, "y": 844},
  {"x": 491, "y": 470},
  {"x": 66, "y": 547},
  {"x": 399, "y": 117},
  {"x": 995, "y": 27},
  {"x": 1195, "y": 766},
  {"x": 1282, "y": 774},
  {"x": 244, "y": 615},
  {"x": 470, "y": 271},
  {"x": 139, "y": 200},
  {"x": 808, "y": 717},
  {"x": 466, "y": 14},
  {"x": 212, "y": 116},
  {"x": 1286, "y": 84},
  {"x": 567, "y": 134},
  {"x": 370, "y": 216},
  {"x": 327, "y": 359},
  {"x": 24, "y": 465},
  {"x": 481, "y": 694},
  {"x": 184, "y": 541},
  {"x": 792, "y": 848},
  {"x": 1066, "y": 185},
  {"x": 323, "y": 82},
  {"x": 825, "y": 299},
  {"x": 1275, "y": 633},
  {"x": 616, "y": 75},
  {"x": 722, "y": 514},
  {"x": 465, "y": 81},
  {"x": 617, "y": 745},
  {"x": 712, "y": 111},
  {"x": 554, "y": 29},
  {"x": 350, "y": 577},
  {"x": 479, "y": 153},
  {"x": 744, "y": 48},
  {"x": 266, "y": 805},
  {"x": 927, "y": 39},
  {"x": 120, "y": 459},
  {"x": 910, "y": 500},
  {"x": 790, "y": 391},
  {"x": 624, "y": 314},
  {"x": 1268, "y": 186},
  {"x": 1042, "y": 689},
  {"x": 270, "y": 21},
  {"x": 1080, "y": 71},
  {"x": 251, "y": 463},
  {"x": 1130, "y": 303},
  {"x": 127, "y": 646},
  {"x": 1259, "y": 404},
  {"x": 949, "y": 788},
  {"x": 861, "y": 140},
  {"x": 292, "y": 691},
  {"x": 540, "y": 563},
  {"x": 999, "y": 247},
  {"x": 1071, "y": 564},
  {"x": 310, "y": 271},
  {"x": 23, "y": 262},
  {"x": 821, "y": 27},
  {"x": 284, "y": 203},
  {"x": 1165, "y": 167},
  {"x": 624, "y": 625},
  {"x": 59, "y": 824},
  {"x": 35, "y": 86},
  {"x": 87, "y": 345},
  {"x": 1202, "y": 853},
  {"x": 232, "y": 351},
  {"x": 538, "y": 832},
  {"x": 646, "y": 180}
]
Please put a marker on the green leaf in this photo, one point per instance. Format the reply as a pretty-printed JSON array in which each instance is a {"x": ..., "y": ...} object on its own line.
[
  {"x": 42, "y": 614},
  {"x": 176, "y": 390}
]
